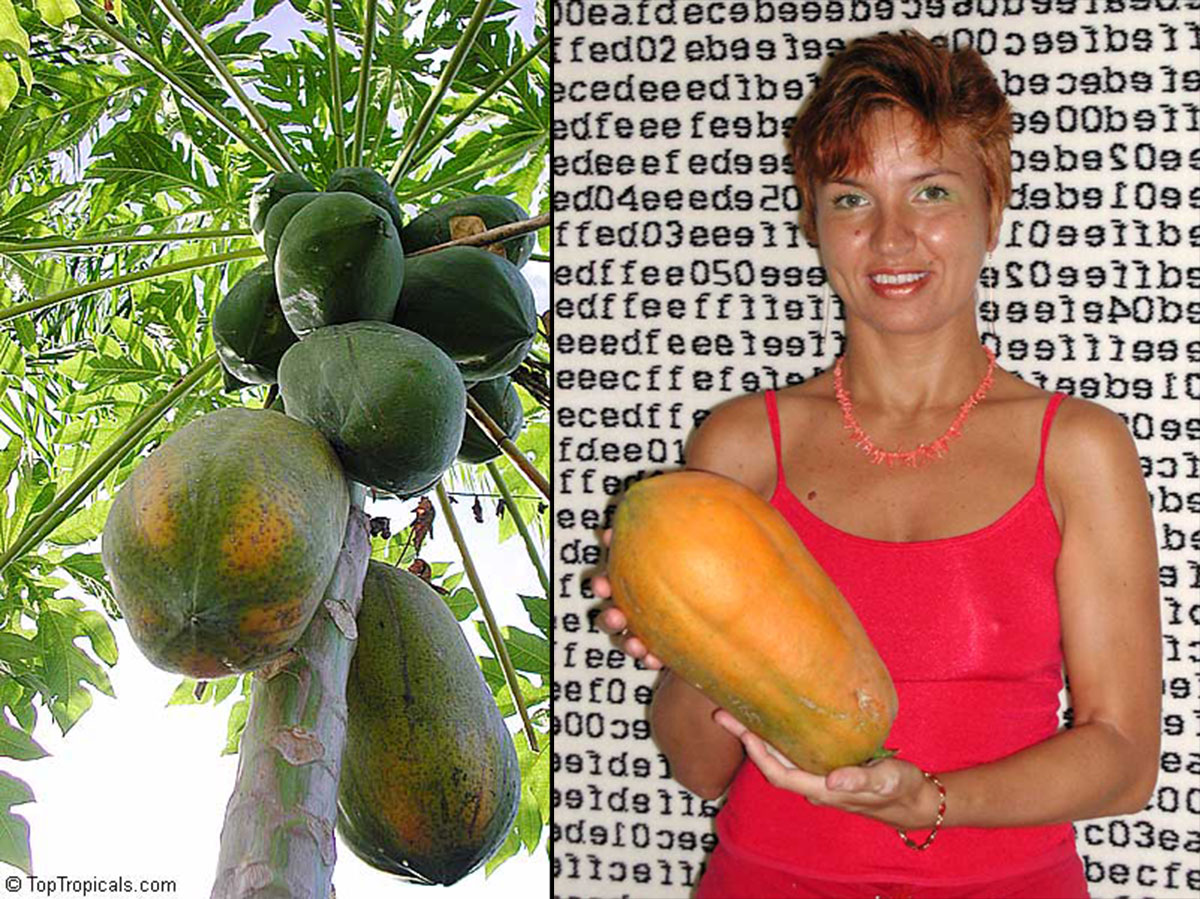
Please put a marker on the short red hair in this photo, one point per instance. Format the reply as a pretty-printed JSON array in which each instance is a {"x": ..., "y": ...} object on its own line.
[{"x": 949, "y": 93}]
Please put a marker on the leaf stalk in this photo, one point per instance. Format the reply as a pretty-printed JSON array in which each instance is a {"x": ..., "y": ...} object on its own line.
[
  {"x": 364, "y": 82},
  {"x": 502, "y": 79},
  {"x": 510, "y": 672},
  {"x": 519, "y": 520},
  {"x": 218, "y": 68},
  {"x": 19, "y": 309},
  {"x": 493, "y": 430},
  {"x": 470, "y": 33}
]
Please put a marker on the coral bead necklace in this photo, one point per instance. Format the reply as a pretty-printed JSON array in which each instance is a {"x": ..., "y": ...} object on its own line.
[{"x": 926, "y": 452}]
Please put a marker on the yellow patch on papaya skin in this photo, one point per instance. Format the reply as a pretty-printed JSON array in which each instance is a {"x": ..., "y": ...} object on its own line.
[
  {"x": 274, "y": 621},
  {"x": 410, "y": 827},
  {"x": 154, "y": 512},
  {"x": 465, "y": 225},
  {"x": 258, "y": 531}
]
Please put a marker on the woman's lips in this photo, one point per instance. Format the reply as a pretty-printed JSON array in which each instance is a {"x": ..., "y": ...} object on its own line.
[{"x": 907, "y": 286}]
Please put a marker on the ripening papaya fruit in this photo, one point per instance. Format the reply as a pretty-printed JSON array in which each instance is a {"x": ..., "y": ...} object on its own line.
[
  {"x": 473, "y": 304},
  {"x": 279, "y": 216},
  {"x": 270, "y": 191},
  {"x": 430, "y": 780},
  {"x": 339, "y": 260},
  {"x": 466, "y": 216},
  {"x": 370, "y": 184},
  {"x": 220, "y": 544},
  {"x": 500, "y": 401},
  {"x": 249, "y": 330},
  {"x": 389, "y": 401},
  {"x": 741, "y": 610}
]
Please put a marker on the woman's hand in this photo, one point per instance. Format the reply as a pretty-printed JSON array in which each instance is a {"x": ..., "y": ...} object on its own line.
[
  {"x": 612, "y": 621},
  {"x": 889, "y": 790}
]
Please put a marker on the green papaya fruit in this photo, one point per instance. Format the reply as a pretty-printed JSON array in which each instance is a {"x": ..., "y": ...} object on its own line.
[
  {"x": 279, "y": 216},
  {"x": 389, "y": 402},
  {"x": 370, "y": 184},
  {"x": 499, "y": 400},
  {"x": 249, "y": 330},
  {"x": 270, "y": 191},
  {"x": 430, "y": 779},
  {"x": 466, "y": 216},
  {"x": 474, "y": 304},
  {"x": 339, "y": 260}
]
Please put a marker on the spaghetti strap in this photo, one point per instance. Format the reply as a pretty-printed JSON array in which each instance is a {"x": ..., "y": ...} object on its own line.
[
  {"x": 1047, "y": 420},
  {"x": 773, "y": 418}
]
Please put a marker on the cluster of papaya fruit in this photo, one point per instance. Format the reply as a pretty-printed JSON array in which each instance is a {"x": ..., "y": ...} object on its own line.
[{"x": 221, "y": 543}]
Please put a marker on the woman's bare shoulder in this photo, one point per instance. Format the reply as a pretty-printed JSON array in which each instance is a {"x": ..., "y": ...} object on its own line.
[
  {"x": 734, "y": 440},
  {"x": 1090, "y": 453}
]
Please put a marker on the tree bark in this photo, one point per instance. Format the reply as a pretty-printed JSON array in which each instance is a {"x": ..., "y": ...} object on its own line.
[{"x": 277, "y": 841}]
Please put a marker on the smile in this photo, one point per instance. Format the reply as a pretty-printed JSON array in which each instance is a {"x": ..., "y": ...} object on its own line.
[
  {"x": 906, "y": 278},
  {"x": 897, "y": 284}
]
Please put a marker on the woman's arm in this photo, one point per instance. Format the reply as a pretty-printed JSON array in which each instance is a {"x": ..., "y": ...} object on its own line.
[
  {"x": 1107, "y": 578},
  {"x": 704, "y": 756}
]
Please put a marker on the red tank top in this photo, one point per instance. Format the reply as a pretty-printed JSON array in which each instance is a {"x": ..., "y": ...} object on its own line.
[{"x": 968, "y": 626}]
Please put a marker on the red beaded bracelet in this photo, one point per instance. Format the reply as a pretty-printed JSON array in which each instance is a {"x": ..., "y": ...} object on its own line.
[{"x": 941, "y": 815}]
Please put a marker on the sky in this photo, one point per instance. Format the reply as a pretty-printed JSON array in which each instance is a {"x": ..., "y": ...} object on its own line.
[{"x": 137, "y": 790}]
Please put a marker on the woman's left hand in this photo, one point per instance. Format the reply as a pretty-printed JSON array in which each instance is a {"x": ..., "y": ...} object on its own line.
[{"x": 889, "y": 790}]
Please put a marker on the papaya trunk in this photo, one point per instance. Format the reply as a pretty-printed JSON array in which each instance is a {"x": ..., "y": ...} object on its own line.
[{"x": 277, "y": 841}]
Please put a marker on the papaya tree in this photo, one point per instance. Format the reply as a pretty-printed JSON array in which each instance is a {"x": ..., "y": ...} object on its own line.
[{"x": 142, "y": 143}]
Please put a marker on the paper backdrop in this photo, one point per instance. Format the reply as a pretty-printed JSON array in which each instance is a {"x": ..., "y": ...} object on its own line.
[{"x": 681, "y": 279}]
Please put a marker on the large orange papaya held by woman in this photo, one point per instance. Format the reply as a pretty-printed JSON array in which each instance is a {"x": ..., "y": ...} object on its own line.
[{"x": 720, "y": 588}]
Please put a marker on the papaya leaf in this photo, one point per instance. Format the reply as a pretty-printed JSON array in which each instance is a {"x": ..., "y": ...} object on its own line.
[
  {"x": 185, "y": 693},
  {"x": 86, "y": 524},
  {"x": 64, "y": 666},
  {"x": 538, "y": 608},
  {"x": 14, "y": 830},
  {"x": 506, "y": 851},
  {"x": 10, "y": 457},
  {"x": 462, "y": 603},
  {"x": 18, "y": 699},
  {"x": 17, "y": 744},
  {"x": 532, "y": 695},
  {"x": 88, "y": 570},
  {"x": 529, "y": 652},
  {"x": 237, "y": 724},
  {"x": 492, "y": 672}
]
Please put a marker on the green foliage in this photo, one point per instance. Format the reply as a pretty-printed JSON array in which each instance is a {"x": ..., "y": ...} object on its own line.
[{"x": 95, "y": 144}]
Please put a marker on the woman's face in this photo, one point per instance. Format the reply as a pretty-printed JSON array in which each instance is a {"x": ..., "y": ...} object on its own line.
[{"x": 903, "y": 241}]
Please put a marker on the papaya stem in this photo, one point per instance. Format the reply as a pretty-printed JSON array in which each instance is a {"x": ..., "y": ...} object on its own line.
[
  {"x": 65, "y": 502},
  {"x": 510, "y": 673},
  {"x": 519, "y": 520},
  {"x": 97, "y": 21},
  {"x": 470, "y": 33},
  {"x": 539, "y": 257},
  {"x": 217, "y": 66},
  {"x": 502, "y": 79},
  {"x": 498, "y": 234},
  {"x": 335, "y": 81},
  {"x": 493, "y": 430},
  {"x": 18, "y": 309},
  {"x": 398, "y": 24},
  {"x": 69, "y": 243},
  {"x": 364, "y": 83},
  {"x": 278, "y": 835},
  {"x": 435, "y": 184}
]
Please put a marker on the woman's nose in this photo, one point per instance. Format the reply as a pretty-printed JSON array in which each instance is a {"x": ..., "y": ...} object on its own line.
[{"x": 893, "y": 233}]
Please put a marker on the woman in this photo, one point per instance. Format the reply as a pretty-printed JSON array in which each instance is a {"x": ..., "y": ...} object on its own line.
[{"x": 985, "y": 532}]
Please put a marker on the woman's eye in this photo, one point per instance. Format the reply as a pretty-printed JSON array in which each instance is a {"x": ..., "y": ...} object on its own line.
[
  {"x": 934, "y": 192},
  {"x": 848, "y": 201}
]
